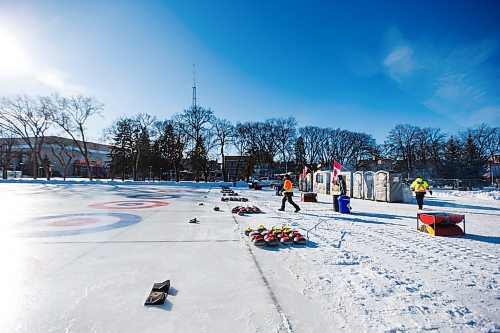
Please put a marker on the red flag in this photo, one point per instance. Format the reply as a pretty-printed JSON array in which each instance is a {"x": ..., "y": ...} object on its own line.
[
  {"x": 304, "y": 172},
  {"x": 336, "y": 169}
]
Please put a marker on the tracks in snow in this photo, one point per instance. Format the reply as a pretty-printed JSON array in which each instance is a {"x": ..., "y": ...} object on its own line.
[{"x": 358, "y": 266}]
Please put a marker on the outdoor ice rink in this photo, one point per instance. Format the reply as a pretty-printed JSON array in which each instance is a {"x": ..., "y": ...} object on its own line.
[{"x": 83, "y": 258}]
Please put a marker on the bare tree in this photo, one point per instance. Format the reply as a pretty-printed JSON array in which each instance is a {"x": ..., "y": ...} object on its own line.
[
  {"x": 243, "y": 144},
  {"x": 429, "y": 149},
  {"x": 332, "y": 146},
  {"x": 341, "y": 139},
  {"x": 28, "y": 119},
  {"x": 224, "y": 133},
  {"x": 7, "y": 142},
  {"x": 63, "y": 154},
  {"x": 193, "y": 122},
  {"x": 401, "y": 144},
  {"x": 261, "y": 144},
  {"x": 485, "y": 138},
  {"x": 313, "y": 139},
  {"x": 210, "y": 143},
  {"x": 300, "y": 155},
  {"x": 266, "y": 137},
  {"x": 71, "y": 114},
  {"x": 493, "y": 146},
  {"x": 285, "y": 135},
  {"x": 324, "y": 145},
  {"x": 362, "y": 146}
]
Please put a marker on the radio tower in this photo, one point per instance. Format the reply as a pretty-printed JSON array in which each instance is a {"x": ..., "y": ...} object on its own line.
[{"x": 194, "y": 86}]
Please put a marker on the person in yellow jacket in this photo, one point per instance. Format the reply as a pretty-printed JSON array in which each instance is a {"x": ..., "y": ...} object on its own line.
[
  {"x": 420, "y": 186},
  {"x": 287, "y": 194}
]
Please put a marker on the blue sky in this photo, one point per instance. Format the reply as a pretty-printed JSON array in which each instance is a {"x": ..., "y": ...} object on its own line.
[{"x": 359, "y": 65}]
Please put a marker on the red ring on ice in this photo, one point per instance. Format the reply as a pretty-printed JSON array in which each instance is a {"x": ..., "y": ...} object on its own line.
[
  {"x": 127, "y": 204},
  {"x": 70, "y": 222}
]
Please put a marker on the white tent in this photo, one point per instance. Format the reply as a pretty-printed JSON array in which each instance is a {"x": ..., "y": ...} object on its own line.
[
  {"x": 369, "y": 185},
  {"x": 388, "y": 186},
  {"x": 357, "y": 185}
]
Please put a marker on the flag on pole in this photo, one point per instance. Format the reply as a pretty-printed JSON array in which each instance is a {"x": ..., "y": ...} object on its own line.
[
  {"x": 336, "y": 170},
  {"x": 304, "y": 172}
]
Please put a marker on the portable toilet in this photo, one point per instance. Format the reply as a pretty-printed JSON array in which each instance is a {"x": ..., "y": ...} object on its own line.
[
  {"x": 357, "y": 185},
  {"x": 322, "y": 182},
  {"x": 407, "y": 194},
  {"x": 347, "y": 175},
  {"x": 388, "y": 186},
  {"x": 303, "y": 185},
  {"x": 306, "y": 184},
  {"x": 309, "y": 182},
  {"x": 369, "y": 185}
]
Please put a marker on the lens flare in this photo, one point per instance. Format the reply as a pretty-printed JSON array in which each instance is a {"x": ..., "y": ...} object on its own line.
[{"x": 14, "y": 57}]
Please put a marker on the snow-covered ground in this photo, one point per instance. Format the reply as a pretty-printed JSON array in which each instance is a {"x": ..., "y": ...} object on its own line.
[{"x": 83, "y": 257}]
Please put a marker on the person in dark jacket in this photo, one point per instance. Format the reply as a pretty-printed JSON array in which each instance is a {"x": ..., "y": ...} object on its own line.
[
  {"x": 342, "y": 185},
  {"x": 339, "y": 188},
  {"x": 288, "y": 193}
]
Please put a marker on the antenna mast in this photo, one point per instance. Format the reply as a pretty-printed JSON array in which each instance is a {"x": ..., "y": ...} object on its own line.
[{"x": 194, "y": 86}]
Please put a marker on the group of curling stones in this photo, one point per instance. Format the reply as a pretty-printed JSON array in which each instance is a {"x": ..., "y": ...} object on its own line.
[
  {"x": 230, "y": 195},
  {"x": 226, "y": 189},
  {"x": 275, "y": 236},
  {"x": 233, "y": 199},
  {"x": 240, "y": 210}
]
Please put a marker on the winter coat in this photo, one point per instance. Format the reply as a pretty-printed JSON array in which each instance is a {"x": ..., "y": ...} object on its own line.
[{"x": 419, "y": 186}]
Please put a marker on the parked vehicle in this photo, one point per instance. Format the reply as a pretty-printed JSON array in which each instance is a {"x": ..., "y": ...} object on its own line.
[{"x": 265, "y": 182}]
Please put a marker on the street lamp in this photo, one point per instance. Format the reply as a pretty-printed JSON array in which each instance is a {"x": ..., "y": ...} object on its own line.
[
  {"x": 49, "y": 172},
  {"x": 22, "y": 168},
  {"x": 136, "y": 157},
  {"x": 150, "y": 173},
  {"x": 135, "y": 161},
  {"x": 160, "y": 174}
]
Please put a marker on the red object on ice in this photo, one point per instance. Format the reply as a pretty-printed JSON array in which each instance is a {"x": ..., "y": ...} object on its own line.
[
  {"x": 441, "y": 224},
  {"x": 309, "y": 197}
]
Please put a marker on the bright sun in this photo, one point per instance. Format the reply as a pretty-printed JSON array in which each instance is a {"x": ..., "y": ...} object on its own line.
[{"x": 14, "y": 58}]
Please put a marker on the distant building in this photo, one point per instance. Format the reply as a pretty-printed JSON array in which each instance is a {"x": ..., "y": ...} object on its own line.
[
  {"x": 375, "y": 164},
  {"x": 60, "y": 153},
  {"x": 186, "y": 172},
  {"x": 236, "y": 167}
]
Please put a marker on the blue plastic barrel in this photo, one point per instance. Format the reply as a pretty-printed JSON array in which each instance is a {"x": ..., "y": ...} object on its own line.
[{"x": 344, "y": 201}]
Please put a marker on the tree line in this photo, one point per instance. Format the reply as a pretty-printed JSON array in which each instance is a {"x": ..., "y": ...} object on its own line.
[
  {"x": 197, "y": 137},
  {"x": 436, "y": 154}
]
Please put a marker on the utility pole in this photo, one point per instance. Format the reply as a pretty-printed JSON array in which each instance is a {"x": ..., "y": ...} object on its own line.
[{"x": 194, "y": 86}]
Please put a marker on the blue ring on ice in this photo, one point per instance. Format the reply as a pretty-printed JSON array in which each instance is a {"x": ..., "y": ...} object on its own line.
[
  {"x": 129, "y": 204},
  {"x": 124, "y": 220},
  {"x": 153, "y": 196}
]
